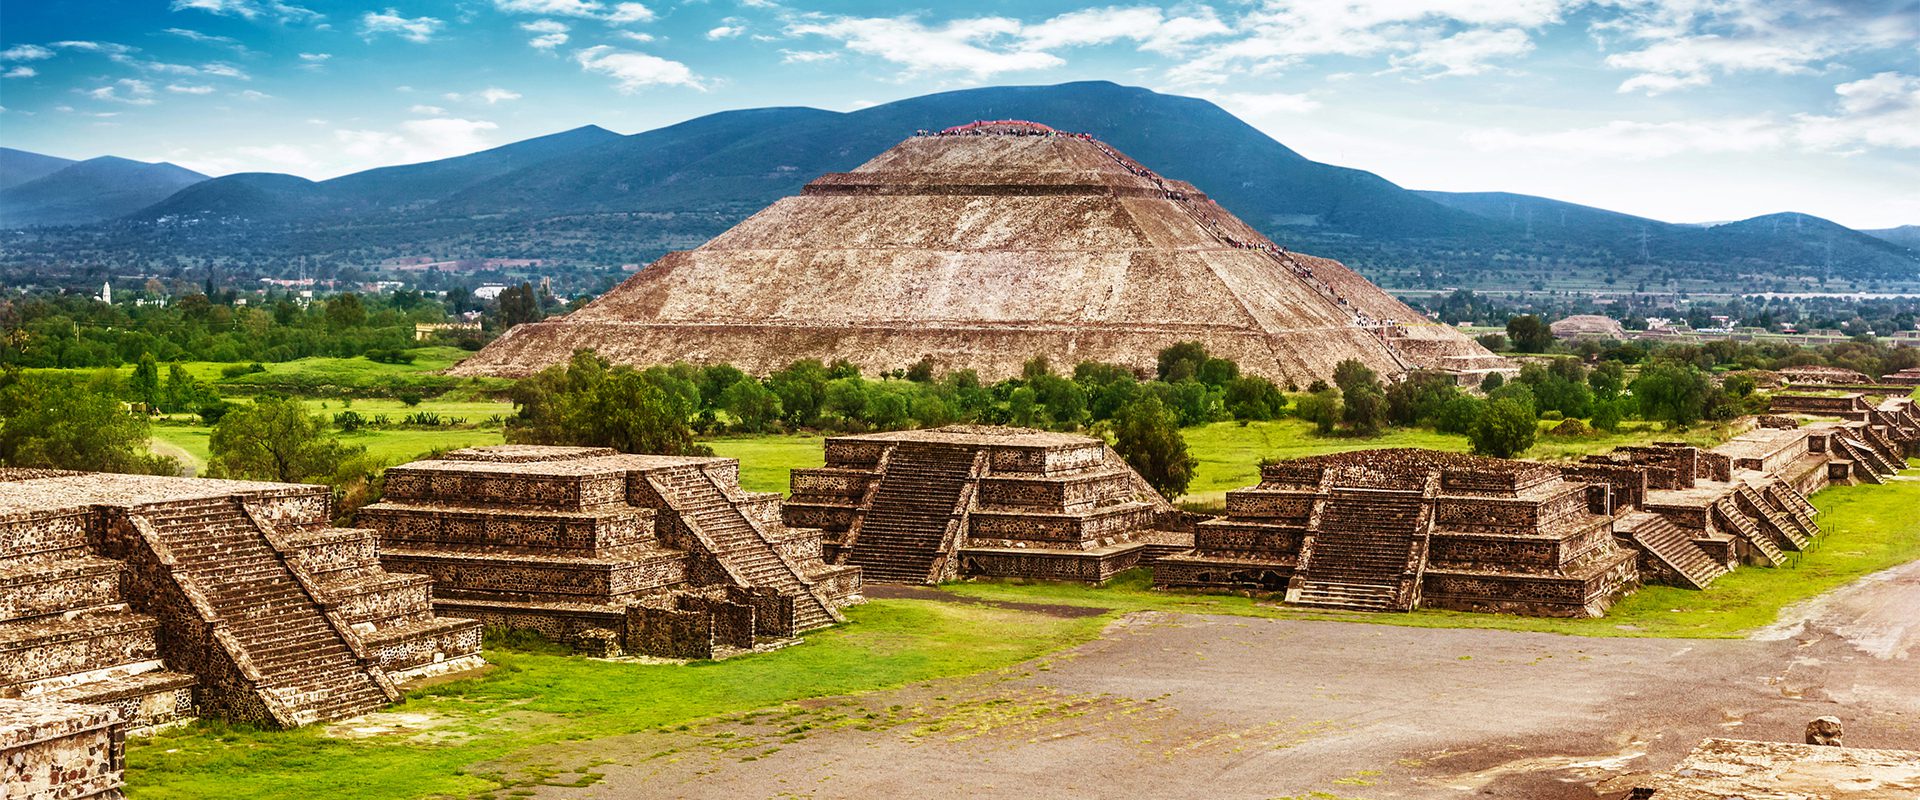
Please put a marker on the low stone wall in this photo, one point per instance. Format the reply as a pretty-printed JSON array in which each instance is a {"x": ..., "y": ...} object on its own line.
[
  {"x": 61, "y": 751},
  {"x": 1050, "y": 564}
]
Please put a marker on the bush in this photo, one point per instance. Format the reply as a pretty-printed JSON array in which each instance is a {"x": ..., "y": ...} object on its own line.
[
  {"x": 1492, "y": 341},
  {"x": 349, "y": 421},
  {"x": 237, "y": 370},
  {"x": 1505, "y": 429},
  {"x": 1571, "y": 428},
  {"x": 390, "y": 356},
  {"x": 410, "y": 399}
]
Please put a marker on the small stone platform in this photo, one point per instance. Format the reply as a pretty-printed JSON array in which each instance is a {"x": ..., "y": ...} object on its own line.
[
  {"x": 61, "y": 751},
  {"x": 926, "y": 506},
  {"x": 1397, "y": 529},
  {"x": 167, "y": 598},
  {"x": 661, "y": 555}
]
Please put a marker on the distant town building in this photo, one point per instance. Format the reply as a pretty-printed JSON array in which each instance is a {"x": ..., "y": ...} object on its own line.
[
  {"x": 490, "y": 291},
  {"x": 423, "y": 331},
  {"x": 1588, "y": 326}
]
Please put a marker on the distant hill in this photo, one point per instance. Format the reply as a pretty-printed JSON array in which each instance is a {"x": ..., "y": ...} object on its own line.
[
  {"x": 747, "y": 159},
  {"x": 1907, "y": 236},
  {"x": 1801, "y": 242},
  {"x": 273, "y": 197},
  {"x": 604, "y": 198},
  {"x": 19, "y": 166},
  {"x": 94, "y": 190}
]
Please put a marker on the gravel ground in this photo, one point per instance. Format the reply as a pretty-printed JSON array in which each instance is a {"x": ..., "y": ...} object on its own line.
[{"x": 1180, "y": 706}]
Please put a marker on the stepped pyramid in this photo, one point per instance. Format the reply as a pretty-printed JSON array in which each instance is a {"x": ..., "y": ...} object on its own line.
[{"x": 980, "y": 247}]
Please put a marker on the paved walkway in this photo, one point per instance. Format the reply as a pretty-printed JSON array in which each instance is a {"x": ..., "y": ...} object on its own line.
[{"x": 1214, "y": 707}]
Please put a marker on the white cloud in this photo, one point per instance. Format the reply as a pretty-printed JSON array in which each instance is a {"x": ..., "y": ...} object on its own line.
[
  {"x": 251, "y": 95},
  {"x": 248, "y": 9},
  {"x": 208, "y": 38},
  {"x": 491, "y": 95},
  {"x": 725, "y": 32},
  {"x": 25, "y": 52},
  {"x": 131, "y": 91},
  {"x": 315, "y": 57},
  {"x": 179, "y": 88},
  {"x": 224, "y": 70},
  {"x": 1881, "y": 111},
  {"x": 1683, "y": 44},
  {"x": 20, "y": 72},
  {"x": 552, "y": 34},
  {"x": 1426, "y": 35},
  {"x": 964, "y": 45},
  {"x": 430, "y": 111},
  {"x": 636, "y": 36},
  {"x": 632, "y": 71},
  {"x": 417, "y": 29},
  {"x": 624, "y": 13},
  {"x": 110, "y": 49},
  {"x": 416, "y": 140},
  {"x": 806, "y": 56},
  {"x": 1467, "y": 52},
  {"x": 560, "y": 8}
]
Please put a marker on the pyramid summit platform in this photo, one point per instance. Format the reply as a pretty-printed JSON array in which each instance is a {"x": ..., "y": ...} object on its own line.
[{"x": 980, "y": 247}]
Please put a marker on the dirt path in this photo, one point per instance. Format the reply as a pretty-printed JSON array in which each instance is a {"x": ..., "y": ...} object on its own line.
[
  {"x": 1179, "y": 706},
  {"x": 189, "y": 465}
]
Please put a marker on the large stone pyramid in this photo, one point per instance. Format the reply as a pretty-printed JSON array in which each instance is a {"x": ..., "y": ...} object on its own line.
[{"x": 981, "y": 247}]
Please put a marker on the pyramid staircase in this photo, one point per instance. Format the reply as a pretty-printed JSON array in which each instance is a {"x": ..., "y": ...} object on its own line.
[
  {"x": 1786, "y": 531},
  {"x": 1733, "y": 518},
  {"x": 302, "y": 661},
  {"x": 1360, "y": 545},
  {"x": 738, "y": 544},
  {"x": 906, "y": 531},
  {"x": 1872, "y": 465},
  {"x": 1794, "y": 505},
  {"x": 1673, "y": 546}
]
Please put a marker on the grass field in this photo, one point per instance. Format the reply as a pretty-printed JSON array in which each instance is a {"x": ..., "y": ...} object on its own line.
[
  {"x": 483, "y": 728},
  {"x": 393, "y": 446},
  {"x": 766, "y": 461}
]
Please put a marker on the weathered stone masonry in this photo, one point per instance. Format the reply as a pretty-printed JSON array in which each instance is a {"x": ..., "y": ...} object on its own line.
[
  {"x": 165, "y": 598},
  {"x": 932, "y": 505},
  {"x": 615, "y": 553}
]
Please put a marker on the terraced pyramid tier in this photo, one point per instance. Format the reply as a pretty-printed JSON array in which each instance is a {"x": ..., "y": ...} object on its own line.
[{"x": 981, "y": 248}]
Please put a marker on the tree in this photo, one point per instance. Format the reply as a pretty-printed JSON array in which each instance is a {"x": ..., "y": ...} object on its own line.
[
  {"x": 1251, "y": 397},
  {"x": 1322, "y": 408},
  {"x": 801, "y": 387},
  {"x": 1351, "y": 373},
  {"x": 1148, "y": 437},
  {"x": 57, "y": 423},
  {"x": 589, "y": 402},
  {"x": 1505, "y": 429},
  {"x": 753, "y": 407},
  {"x": 1364, "y": 409},
  {"x": 346, "y": 311},
  {"x": 1182, "y": 361},
  {"x": 1672, "y": 393},
  {"x": 183, "y": 392},
  {"x": 1529, "y": 334},
  {"x": 144, "y": 386},
  {"x": 275, "y": 439},
  {"x": 517, "y": 305}
]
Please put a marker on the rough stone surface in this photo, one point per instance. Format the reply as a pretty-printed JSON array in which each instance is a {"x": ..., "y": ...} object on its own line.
[
  {"x": 966, "y": 500},
  {"x": 660, "y": 555},
  {"x": 1732, "y": 769},
  {"x": 980, "y": 252},
  {"x": 60, "y": 751}
]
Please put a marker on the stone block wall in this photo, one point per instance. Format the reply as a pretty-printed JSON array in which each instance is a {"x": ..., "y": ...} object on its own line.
[{"x": 61, "y": 751}]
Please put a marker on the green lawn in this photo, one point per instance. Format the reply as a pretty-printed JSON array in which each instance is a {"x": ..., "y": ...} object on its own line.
[
  {"x": 1866, "y": 529},
  {"x": 486, "y": 726},
  {"x": 390, "y": 445},
  {"x": 766, "y": 461}
]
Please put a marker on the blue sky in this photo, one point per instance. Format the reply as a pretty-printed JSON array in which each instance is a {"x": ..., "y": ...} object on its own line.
[{"x": 1685, "y": 110}]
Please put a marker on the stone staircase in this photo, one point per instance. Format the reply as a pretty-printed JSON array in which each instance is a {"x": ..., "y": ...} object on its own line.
[
  {"x": 1360, "y": 549},
  {"x": 1731, "y": 516},
  {"x": 739, "y": 544},
  {"x": 1785, "y": 529},
  {"x": 1794, "y": 505},
  {"x": 902, "y": 533},
  {"x": 1873, "y": 465},
  {"x": 1674, "y": 547},
  {"x": 308, "y": 669}
]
